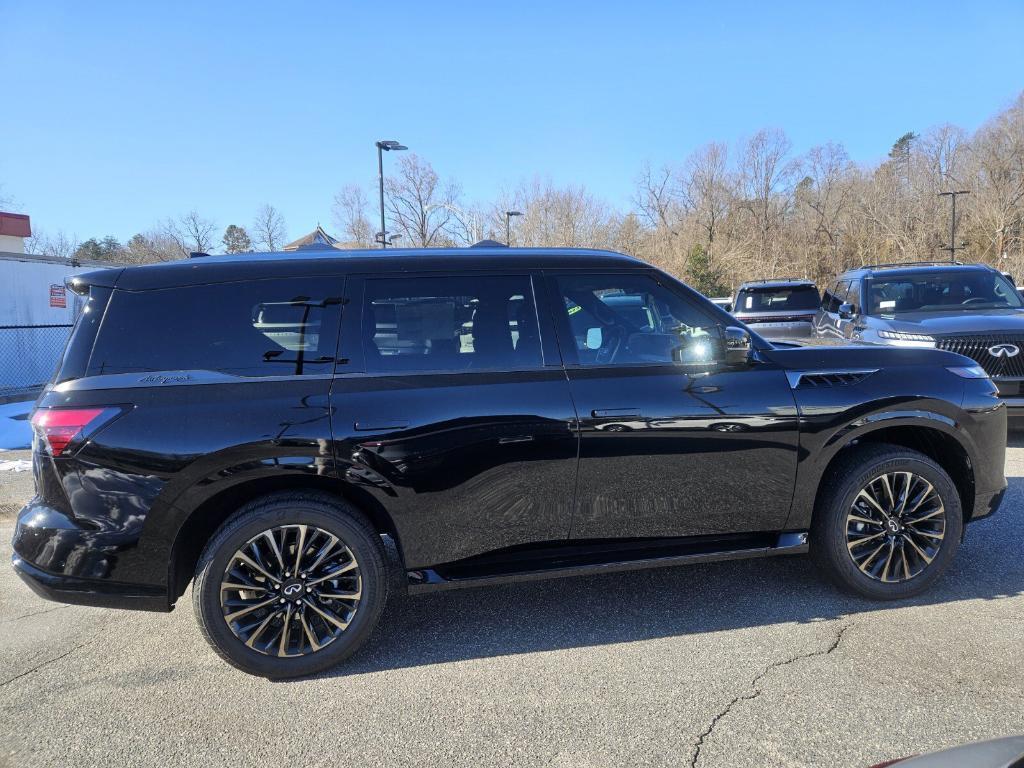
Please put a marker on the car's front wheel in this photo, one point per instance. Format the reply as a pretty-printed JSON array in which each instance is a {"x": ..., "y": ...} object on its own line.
[
  {"x": 290, "y": 585},
  {"x": 888, "y": 523}
]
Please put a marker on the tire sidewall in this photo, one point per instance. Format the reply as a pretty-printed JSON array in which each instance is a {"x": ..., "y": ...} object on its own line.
[
  {"x": 835, "y": 549},
  {"x": 236, "y": 532}
]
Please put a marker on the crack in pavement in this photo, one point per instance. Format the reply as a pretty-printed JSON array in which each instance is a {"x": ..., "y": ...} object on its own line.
[
  {"x": 757, "y": 691},
  {"x": 34, "y": 613},
  {"x": 42, "y": 664}
]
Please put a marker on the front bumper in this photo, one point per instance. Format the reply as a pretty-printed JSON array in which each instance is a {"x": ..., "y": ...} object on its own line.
[{"x": 986, "y": 505}]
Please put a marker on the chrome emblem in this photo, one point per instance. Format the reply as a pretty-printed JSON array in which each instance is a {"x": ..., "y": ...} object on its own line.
[
  {"x": 1004, "y": 350},
  {"x": 292, "y": 589}
]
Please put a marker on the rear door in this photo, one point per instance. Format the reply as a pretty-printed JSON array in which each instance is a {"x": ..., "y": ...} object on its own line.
[{"x": 452, "y": 409}]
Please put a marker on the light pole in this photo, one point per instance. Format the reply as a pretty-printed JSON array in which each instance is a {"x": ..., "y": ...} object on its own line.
[
  {"x": 953, "y": 247},
  {"x": 382, "y": 147},
  {"x": 508, "y": 226}
]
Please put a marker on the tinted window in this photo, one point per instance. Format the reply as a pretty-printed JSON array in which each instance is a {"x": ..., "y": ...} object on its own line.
[
  {"x": 853, "y": 297},
  {"x": 937, "y": 291},
  {"x": 257, "y": 328},
  {"x": 775, "y": 299},
  {"x": 450, "y": 324},
  {"x": 838, "y": 296},
  {"x": 633, "y": 319}
]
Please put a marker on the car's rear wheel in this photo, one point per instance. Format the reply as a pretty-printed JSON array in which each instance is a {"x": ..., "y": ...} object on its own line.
[
  {"x": 888, "y": 524},
  {"x": 290, "y": 585}
]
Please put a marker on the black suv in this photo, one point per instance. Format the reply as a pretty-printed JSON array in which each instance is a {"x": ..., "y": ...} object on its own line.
[
  {"x": 262, "y": 426},
  {"x": 971, "y": 309},
  {"x": 778, "y": 309}
]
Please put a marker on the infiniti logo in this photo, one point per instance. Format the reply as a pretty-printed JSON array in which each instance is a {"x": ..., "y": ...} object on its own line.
[
  {"x": 292, "y": 589},
  {"x": 1004, "y": 350}
]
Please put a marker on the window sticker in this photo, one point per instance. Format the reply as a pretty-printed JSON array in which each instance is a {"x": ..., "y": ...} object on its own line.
[
  {"x": 888, "y": 304},
  {"x": 750, "y": 302}
]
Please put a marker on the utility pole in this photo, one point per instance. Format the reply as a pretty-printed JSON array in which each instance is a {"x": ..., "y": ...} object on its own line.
[
  {"x": 953, "y": 247},
  {"x": 508, "y": 225}
]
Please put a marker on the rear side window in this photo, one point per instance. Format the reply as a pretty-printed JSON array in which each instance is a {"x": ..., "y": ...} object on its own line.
[
  {"x": 259, "y": 328},
  {"x": 802, "y": 297},
  {"x": 450, "y": 324}
]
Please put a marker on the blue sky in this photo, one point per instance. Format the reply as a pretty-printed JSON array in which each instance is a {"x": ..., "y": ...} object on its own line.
[{"x": 116, "y": 115}]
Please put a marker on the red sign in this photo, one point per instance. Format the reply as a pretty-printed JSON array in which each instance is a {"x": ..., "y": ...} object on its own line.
[{"x": 58, "y": 296}]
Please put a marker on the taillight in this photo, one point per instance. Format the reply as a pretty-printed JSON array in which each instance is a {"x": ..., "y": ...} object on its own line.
[{"x": 57, "y": 428}]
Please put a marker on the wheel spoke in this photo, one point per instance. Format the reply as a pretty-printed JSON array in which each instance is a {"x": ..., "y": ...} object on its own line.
[
  {"x": 921, "y": 499},
  {"x": 864, "y": 565},
  {"x": 871, "y": 500},
  {"x": 327, "y": 616},
  {"x": 254, "y": 565},
  {"x": 888, "y": 491},
  {"x": 246, "y": 611},
  {"x": 354, "y": 595},
  {"x": 282, "y": 647},
  {"x": 325, "y": 550},
  {"x": 314, "y": 643},
  {"x": 865, "y": 520},
  {"x": 299, "y": 548},
  {"x": 269, "y": 536},
  {"x": 858, "y": 542},
  {"x": 333, "y": 574},
  {"x": 251, "y": 642}
]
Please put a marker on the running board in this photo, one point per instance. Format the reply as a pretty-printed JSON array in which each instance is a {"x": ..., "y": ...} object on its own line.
[{"x": 430, "y": 580}]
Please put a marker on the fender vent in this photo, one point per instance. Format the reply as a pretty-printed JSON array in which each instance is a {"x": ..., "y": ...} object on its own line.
[{"x": 826, "y": 379}]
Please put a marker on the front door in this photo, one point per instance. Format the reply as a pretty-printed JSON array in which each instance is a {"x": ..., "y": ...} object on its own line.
[{"x": 673, "y": 442}]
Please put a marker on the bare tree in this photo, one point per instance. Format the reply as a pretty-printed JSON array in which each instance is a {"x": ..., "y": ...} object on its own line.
[
  {"x": 152, "y": 247},
  {"x": 268, "y": 229},
  {"x": 350, "y": 207},
  {"x": 420, "y": 206},
  {"x": 191, "y": 233},
  {"x": 59, "y": 246},
  {"x": 766, "y": 175}
]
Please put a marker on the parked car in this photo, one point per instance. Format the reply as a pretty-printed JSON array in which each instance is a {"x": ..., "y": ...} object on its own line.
[
  {"x": 781, "y": 308},
  {"x": 258, "y": 425},
  {"x": 971, "y": 309}
]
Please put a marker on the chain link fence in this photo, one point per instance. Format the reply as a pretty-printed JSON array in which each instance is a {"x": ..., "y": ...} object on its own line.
[{"x": 29, "y": 355}]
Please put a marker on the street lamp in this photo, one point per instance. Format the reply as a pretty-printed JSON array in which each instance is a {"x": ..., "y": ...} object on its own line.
[
  {"x": 382, "y": 147},
  {"x": 508, "y": 226}
]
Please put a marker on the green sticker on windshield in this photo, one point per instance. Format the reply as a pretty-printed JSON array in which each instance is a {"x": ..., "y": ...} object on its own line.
[{"x": 574, "y": 310}]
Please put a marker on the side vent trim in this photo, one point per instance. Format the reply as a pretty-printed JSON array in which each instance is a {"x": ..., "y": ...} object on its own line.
[{"x": 840, "y": 377}]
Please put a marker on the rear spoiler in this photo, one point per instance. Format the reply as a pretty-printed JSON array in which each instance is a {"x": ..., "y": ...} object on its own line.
[{"x": 105, "y": 278}]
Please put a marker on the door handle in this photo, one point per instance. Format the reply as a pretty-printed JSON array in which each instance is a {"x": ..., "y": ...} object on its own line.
[
  {"x": 379, "y": 426},
  {"x": 514, "y": 440},
  {"x": 614, "y": 413}
]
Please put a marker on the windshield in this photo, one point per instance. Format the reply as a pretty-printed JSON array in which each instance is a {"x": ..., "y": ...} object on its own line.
[
  {"x": 939, "y": 291},
  {"x": 776, "y": 299}
]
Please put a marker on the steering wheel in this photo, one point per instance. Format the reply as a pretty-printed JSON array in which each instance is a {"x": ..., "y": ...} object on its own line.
[
  {"x": 610, "y": 349},
  {"x": 973, "y": 300}
]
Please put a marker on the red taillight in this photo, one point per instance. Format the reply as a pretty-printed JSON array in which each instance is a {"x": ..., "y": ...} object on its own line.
[{"x": 57, "y": 427}]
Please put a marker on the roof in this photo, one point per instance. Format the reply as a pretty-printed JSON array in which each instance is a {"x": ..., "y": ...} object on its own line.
[
  {"x": 317, "y": 239},
  {"x": 914, "y": 268},
  {"x": 218, "y": 269},
  {"x": 15, "y": 225}
]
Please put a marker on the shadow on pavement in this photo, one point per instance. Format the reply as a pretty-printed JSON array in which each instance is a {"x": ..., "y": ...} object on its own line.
[{"x": 644, "y": 605}]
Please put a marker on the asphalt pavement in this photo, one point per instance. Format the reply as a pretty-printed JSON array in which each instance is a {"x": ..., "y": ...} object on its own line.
[{"x": 755, "y": 663}]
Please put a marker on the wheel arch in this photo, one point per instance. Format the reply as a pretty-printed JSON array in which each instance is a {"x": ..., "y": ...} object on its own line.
[
  {"x": 203, "y": 521},
  {"x": 935, "y": 438}
]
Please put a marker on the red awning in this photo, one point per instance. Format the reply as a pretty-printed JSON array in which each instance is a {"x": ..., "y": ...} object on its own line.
[{"x": 15, "y": 225}]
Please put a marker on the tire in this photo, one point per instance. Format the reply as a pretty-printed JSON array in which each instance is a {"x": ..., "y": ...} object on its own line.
[
  {"x": 311, "y": 641},
  {"x": 842, "y": 541}
]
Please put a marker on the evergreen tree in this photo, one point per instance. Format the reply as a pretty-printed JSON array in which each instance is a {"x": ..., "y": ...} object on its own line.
[{"x": 236, "y": 240}]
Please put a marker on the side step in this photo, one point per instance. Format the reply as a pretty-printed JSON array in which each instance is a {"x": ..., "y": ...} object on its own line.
[{"x": 431, "y": 580}]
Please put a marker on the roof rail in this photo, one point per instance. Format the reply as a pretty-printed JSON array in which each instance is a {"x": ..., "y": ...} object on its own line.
[
  {"x": 914, "y": 264},
  {"x": 779, "y": 280}
]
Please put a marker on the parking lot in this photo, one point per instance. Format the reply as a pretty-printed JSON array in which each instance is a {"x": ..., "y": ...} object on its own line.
[{"x": 747, "y": 663}]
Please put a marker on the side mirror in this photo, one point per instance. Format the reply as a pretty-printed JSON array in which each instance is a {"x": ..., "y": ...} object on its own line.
[
  {"x": 728, "y": 307},
  {"x": 594, "y": 338},
  {"x": 737, "y": 346},
  {"x": 846, "y": 311}
]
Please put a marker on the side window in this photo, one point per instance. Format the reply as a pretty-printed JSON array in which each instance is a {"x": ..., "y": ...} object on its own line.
[
  {"x": 853, "y": 297},
  {"x": 633, "y": 319},
  {"x": 838, "y": 295},
  {"x": 827, "y": 298},
  {"x": 257, "y": 328},
  {"x": 450, "y": 324}
]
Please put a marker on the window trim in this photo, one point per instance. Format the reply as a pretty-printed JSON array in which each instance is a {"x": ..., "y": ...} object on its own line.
[
  {"x": 352, "y": 352},
  {"x": 563, "y": 331}
]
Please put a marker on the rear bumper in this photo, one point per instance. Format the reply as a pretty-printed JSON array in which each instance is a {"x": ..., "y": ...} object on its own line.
[
  {"x": 68, "y": 589},
  {"x": 797, "y": 330},
  {"x": 63, "y": 559}
]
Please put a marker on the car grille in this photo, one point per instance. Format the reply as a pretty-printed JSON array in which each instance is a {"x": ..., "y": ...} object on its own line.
[{"x": 977, "y": 348}]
